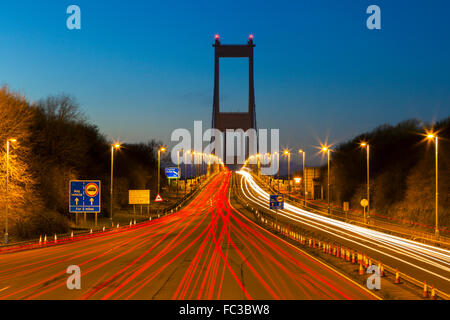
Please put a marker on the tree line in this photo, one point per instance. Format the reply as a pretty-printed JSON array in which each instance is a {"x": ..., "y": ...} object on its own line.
[
  {"x": 56, "y": 144},
  {"x": 402, "y": 171}
]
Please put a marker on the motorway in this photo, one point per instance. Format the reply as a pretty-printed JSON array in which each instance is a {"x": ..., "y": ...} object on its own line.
[
  {"x": 421, "y": 261},
  {"x": 207, "y": 250}
]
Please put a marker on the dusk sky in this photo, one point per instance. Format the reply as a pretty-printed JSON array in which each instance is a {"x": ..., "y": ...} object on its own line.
[{"x": 141, "y": 69}]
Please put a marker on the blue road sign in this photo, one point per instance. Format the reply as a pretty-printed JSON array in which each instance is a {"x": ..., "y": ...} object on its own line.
[
  {"x": 84, "y": 196},
  {"x": 277, "y": 201},
  {"x": 173, "y": 173}
]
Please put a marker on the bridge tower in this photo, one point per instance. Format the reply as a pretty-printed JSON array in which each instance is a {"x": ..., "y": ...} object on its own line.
[{"x": 234, "y": 120}]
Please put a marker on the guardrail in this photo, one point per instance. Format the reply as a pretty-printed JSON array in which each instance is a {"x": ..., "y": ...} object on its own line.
[{"x": 374, "y": 222}]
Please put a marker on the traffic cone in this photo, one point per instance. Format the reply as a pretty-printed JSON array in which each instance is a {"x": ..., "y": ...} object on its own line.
[
  {"x": 71, "y": 234},
  {"x": 117, "y": 225},
  {"x": 150, "y": 219},
  {"x": 45, "y": 239},
  {"x": 397, "y": 277},
  {"x": 103, "y": 228},
  {"x": 40, "y": 239},
  {"x": 90, "y": 231},
  {"x": 134, "y": 221},
  {"x": 56, "y": 238},
  {"x": 130, "y": 223},
  {"x": 361, "y": 269},
  {"x": 353, "y": 257},
  {"x": 433, "y": 293},
  {"x": 425, "y": 290}
]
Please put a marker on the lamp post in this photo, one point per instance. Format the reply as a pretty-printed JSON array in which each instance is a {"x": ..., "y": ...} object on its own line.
[
  {"x": 113, "y": 147},
  {"x": 178, "y": 166},
  {"x": 195, "y": 167},
  {"x": 288, "y": 154},
  {"x": 302, "y": 152},
  {"x": 8, "y": 142},
  {"x": 367, "y": 146},
  {"x": 278, "y": 173},
  {"x": 185, "y": 169},
  {"x": 161, "y": 149},
  {"x": 434, "y": 136},
  {"x": 327, "y": 150}
]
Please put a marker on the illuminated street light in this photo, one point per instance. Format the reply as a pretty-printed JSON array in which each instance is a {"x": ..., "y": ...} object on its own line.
[
  {"x": 8, "y": 142},
  {"x": 185, "y": 153},
  {"x": 288, "y": 154},
  {"x": 367, "y": 146},
  {"x": 162, "y": 149},
  {"x": 302, "y": 152},
  {"x": 434, "y": 136},
  {"x": 115, "y": 146},
  {"x": 327, "y": 150}
]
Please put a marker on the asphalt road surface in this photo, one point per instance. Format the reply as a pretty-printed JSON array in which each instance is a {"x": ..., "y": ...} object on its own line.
[{"x": 207, "y": 250}]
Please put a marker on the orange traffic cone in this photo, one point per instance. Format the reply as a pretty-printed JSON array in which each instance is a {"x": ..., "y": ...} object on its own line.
[
  {"x": 397, "y": 277},
  {"x": 71, "y": 234},
  {"x": 56, "y": 238},
  {"x": 45, "y": 239},
  {"x": 40, "y": 239},
  {"x": 433, "y": 293},
  {"x": 425, "y": 290},
  {"x": 361, "y": 269},
  {"x": 353, "y": 257}
]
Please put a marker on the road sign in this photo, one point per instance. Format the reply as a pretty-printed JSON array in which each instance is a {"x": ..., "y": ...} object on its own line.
[
  {"x": 158, "y": 198},
  {"x": 364, "y": 203},
  {"x": 139, "y": 196},
  {"x": 277, "y": 201},
  {"x": 84, "y": 196},
  {"x": 173, "y": 173}
]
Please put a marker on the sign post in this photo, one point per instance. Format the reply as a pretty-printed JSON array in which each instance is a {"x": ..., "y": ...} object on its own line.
[
  {"x": 276, "y": 203},
  {"x": 84, "y": 196},
  {"x": 139, "y": 197},
  {"x": 364, "y": 203}
]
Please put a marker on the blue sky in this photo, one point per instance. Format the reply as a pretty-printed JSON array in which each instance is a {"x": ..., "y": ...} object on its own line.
[{"x": 140, "y": 69}]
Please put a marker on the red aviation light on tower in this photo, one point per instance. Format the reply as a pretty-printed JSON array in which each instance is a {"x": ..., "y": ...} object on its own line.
[
  {"x": 250, "y": 37},
  {"x": 216, "y": 37}
]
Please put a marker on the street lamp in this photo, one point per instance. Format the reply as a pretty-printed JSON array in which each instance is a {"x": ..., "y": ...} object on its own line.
[
  {"x": 115, "y": 146},
  {"x": 302, "y": 152},
  {"x": 185, "y": 169},
  {"x": 327, "y": 150},
  {"x": 7, "y": 180},
  {"x": 278, "y": 171},
  {"x": 288, "y": 154},
  {"x": 161, "y": 149},
  {"x": 178, "y": 166},
  {"x": 195, "y": 167},
  {"x": 434, "y": 136},
  {"x": 367, "y": 146}
]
